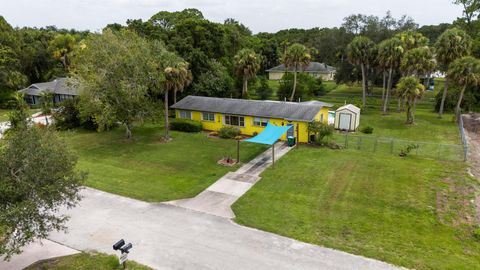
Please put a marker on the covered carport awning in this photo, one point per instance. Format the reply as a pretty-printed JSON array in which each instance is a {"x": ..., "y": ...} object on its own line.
[{"x": 269, "y": 136}]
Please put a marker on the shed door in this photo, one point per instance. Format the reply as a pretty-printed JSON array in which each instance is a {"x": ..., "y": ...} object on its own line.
[{"x": 345, "y": 120}]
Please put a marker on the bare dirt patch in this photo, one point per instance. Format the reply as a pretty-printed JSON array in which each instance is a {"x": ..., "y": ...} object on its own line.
[{"x": 471, "y": 123}]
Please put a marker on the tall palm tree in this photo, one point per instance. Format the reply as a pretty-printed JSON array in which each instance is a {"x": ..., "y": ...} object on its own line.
[
  {"x": 247, "y": 64},
  {"x": 297, "y": 56},
  {"x": 418, "y": 62},
  {"x": 451, "y": 45},
  {"x": 359, "y": 52},
  {"x": 465, "y": 72},
  {"x": 390, "y": 53},
  {"x": 183, "y": 79},
  {"x": 410, "y": 88}
]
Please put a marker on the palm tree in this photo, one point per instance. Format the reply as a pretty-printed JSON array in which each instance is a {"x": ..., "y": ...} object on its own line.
[
  {"x": 183, "y": 79},
  {"x": 451, "y": 45},
  {"x": 359, "y": 52},
  {"x": 247, "y": 64},
  {"x": 170, "y": 84},
  {"x": 410, "y": 88},
  {"x": 297, "y": 57},
  {"x": 465, "y": 72},
  {"x": 417, "y": 62},
  {"x": 390, "y": 53}
]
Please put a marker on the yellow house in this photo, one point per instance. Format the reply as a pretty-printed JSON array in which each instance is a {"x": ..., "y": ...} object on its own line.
[{"x": 251, "y": 116}]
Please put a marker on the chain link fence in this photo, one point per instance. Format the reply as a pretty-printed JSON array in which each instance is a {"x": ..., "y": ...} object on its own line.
[{"x": 454, "y": 152}]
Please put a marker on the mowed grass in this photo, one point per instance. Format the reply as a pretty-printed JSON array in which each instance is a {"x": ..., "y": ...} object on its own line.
[
  {"x": 405, "y": 211},
  {"x": 149, "y": 169},
  {"x": 86, "y": 261},
  {"x": 428, "y": 127}
]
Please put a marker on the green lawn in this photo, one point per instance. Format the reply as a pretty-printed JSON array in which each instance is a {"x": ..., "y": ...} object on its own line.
[
  {"x": 85, "y": 261},
  {"x": 407, "y": 211},
  {"x": 428, "y": 127},
  {"x": 150, "y": 170}
]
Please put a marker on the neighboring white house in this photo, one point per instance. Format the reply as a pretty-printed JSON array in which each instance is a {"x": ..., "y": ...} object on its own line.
[
  {"x": 316, "y": 69},
  {"x": 347, "y": 118}
]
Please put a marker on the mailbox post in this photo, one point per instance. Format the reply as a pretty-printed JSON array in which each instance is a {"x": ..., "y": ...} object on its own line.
[{"x": 120, "y": 245}]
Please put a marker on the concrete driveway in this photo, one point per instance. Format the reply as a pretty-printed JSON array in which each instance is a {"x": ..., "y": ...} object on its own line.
[{"x": 171, "y": 237}]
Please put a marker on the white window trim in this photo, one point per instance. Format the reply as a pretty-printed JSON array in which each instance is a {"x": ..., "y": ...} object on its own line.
[
  {"x": 225, "y": 120},
  {"x": 208, "y": 120}
]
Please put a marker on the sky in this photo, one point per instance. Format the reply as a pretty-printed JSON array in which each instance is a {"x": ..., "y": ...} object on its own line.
[{"x": 258, "y": 15}]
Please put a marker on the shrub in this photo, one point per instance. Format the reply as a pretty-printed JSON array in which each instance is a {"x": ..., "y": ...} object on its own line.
[
  {"x": 476, "y": 233},
  {"x": 322, "y": 132},
  {"x": 67, "y": 115},
  {"x": 255, "y": 133},
  {"x": 367, "y": 130},
  {"x": 228, "y": 132},
  {"x": 186, "y": 125}
]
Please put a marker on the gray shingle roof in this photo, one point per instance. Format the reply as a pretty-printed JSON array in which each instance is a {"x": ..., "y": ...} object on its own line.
[
  {"x": 258, "y": 108},
  {"x": 57, "y": 86},
  {"x": 313, "y": 67}
]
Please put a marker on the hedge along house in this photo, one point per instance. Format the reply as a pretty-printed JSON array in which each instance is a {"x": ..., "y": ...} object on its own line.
[
  {"x": 315, "y": 69},
  {"x": 252, "y": 116},
  {"x": 58, "y": 87}
]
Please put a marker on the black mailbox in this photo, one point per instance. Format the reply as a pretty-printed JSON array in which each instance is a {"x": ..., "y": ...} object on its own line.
[
  {"x": 126, "y": 248},
  {"x": 118, "y": 245}
]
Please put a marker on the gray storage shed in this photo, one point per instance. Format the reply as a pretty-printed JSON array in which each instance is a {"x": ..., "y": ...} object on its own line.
[{"x": 347, "y": 118}]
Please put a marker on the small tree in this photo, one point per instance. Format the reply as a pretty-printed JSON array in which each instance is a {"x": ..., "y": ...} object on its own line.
[
  {"x": 37, "y": 178},
  {"x": 465, "y": 72},
  {"x": 247, "y": 64},
  {"x": 298, "y": 57},
  {"x": 410, "y": 88},
  {"x": 320, "y": 130}
]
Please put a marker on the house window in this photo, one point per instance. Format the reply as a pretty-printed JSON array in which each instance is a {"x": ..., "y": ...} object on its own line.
[
  {"x": 232, "y": 120},
  {"x": 186, "y": 114},
  {"x": 260, "y": 122},
  {"x": 206, "y": 116}
]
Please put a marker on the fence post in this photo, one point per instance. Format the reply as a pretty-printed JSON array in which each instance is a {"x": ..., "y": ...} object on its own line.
[
  {"x": 391, "y": 146},
  {"x": 375, "y": 145}
]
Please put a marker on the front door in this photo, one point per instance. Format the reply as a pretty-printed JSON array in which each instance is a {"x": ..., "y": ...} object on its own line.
[{"x": 345, "y": 120}]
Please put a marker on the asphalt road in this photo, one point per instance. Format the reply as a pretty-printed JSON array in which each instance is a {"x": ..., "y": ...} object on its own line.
[{"x": 170, "y": 237}]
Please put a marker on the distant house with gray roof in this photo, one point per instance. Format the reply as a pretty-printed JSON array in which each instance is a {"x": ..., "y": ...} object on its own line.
[
  {"x": 316, "y": 69},
  {"x": 59, "y": 87}
]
